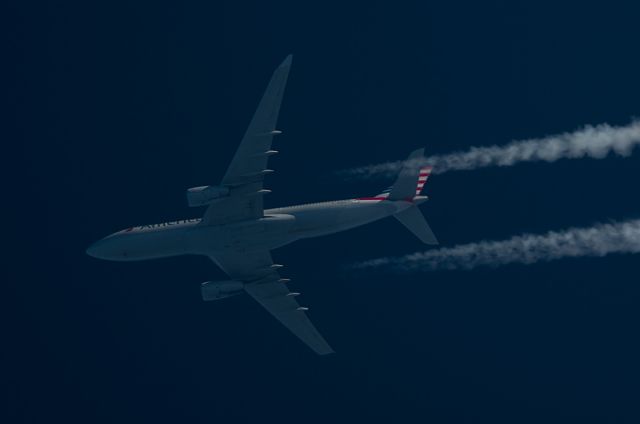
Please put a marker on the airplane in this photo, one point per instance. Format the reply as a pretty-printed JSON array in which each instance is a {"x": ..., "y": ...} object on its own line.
[{"x": 238, "y": 234}]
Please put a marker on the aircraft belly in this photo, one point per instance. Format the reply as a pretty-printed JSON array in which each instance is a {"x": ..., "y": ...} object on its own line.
[
  {"x": 265, "y": 233},
  {"x": 274, "y": 230}
]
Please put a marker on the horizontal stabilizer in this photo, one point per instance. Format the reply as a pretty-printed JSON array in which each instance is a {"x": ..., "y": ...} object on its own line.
[{"x": 413, "y": 219}]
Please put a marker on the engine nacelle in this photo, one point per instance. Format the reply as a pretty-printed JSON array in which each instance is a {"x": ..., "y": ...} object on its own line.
[
  {"x": 200, "y": 196},
  {"x": 214, "y": 290}
]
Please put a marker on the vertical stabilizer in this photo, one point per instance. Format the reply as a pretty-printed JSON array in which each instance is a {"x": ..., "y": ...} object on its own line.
[
  {"x": 425, "y": 171},
  {"x": 408, "y": 184}
]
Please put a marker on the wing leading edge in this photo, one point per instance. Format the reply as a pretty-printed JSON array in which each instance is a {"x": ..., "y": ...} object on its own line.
[{"x": 263, "y": 282}]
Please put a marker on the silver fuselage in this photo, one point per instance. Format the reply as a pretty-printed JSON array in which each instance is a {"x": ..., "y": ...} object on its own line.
[{"x": 278, "y": 227}]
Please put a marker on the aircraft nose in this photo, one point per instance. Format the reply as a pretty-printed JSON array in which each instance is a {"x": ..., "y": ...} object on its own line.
[
  {"x": 110, "y": 248},
  {"x": 95, "y": 250}
]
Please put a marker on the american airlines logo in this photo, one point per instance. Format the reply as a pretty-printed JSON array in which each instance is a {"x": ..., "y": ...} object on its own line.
[{"x": 164, "y": 224}]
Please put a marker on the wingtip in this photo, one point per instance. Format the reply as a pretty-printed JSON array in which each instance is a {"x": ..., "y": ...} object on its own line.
[
  {"x": 287, "y": 61},
  {"x": 431, "y": 241}
]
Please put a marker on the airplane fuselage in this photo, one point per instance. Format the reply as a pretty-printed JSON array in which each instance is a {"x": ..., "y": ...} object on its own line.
[
  {"x": 238, "y": 234},
  {"x": 278, "y": 227}
]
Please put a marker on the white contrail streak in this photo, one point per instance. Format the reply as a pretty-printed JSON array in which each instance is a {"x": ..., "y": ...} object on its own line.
[
  {"x": 594, "y": 142},
  {"x": 596, "y": 241}
]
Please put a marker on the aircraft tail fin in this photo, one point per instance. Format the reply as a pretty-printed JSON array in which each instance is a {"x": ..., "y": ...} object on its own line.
[
  {"x": 413, "y": 219},
  {"x": 411, "y": 179}
]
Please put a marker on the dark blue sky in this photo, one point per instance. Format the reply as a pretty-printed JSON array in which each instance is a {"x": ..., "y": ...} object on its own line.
[{"x": 115, "y": 108}]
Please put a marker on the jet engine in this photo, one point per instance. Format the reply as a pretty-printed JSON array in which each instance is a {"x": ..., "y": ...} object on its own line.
[
  {"x": 214, "y": 290},
  {"x": 200, "y": 196}
]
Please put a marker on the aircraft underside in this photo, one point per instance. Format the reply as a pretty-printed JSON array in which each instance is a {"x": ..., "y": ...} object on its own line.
[{"x": 238, "y": 234}]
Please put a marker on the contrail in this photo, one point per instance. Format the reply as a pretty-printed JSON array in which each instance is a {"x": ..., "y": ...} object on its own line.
[
  {"x": 594, "y": 142},
  {"x": 596, "y": 241}
]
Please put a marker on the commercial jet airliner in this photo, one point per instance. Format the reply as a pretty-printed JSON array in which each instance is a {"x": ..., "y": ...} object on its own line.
[{"x": 238, "y": 234}]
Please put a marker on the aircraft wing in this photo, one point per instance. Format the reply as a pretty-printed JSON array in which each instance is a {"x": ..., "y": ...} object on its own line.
[
  {"x": 247, "y": 169},
  {"x": 263, "y": 282}
]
